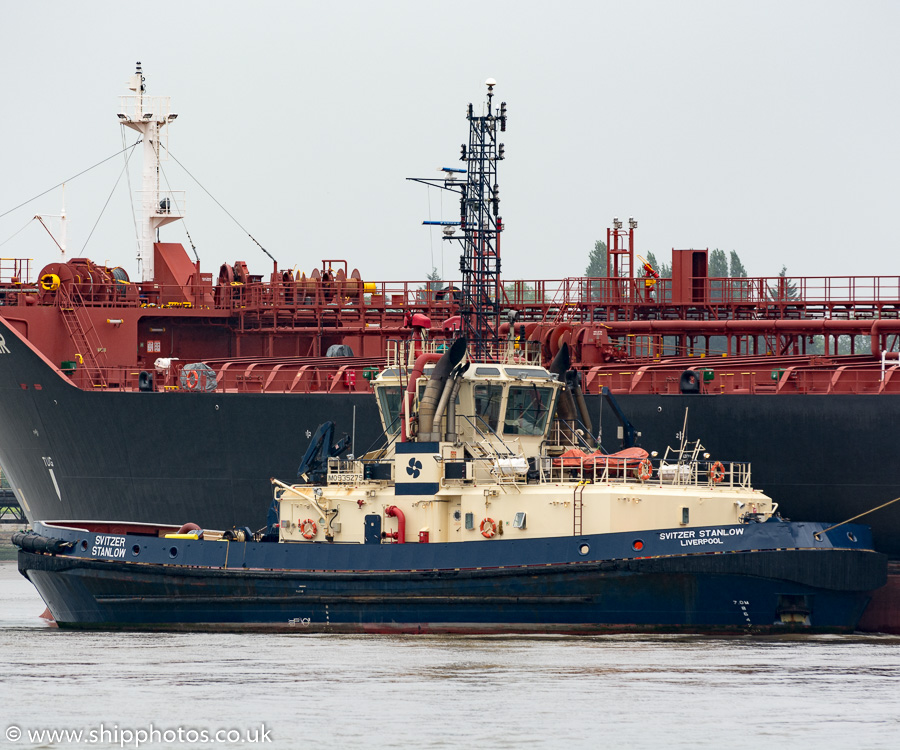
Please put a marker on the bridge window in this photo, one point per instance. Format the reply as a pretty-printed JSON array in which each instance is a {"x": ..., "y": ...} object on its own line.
[
  {"x": 487, "y": 405},
  {"x": 389, "y": 399},
  {"x": 527, "y": 410}
]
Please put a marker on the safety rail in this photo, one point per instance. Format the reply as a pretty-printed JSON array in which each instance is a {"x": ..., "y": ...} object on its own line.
[
  {"x": 15, "y": 271},
  {"x": 140, "y": 106},
  {"x": 508, "y": 352},
  {"x": 609, "y": 469},
  {"x": 548, "y": 300},
  {"x": 311, "y": 378},
  {"x": 354, "y": 376},
  {"x": 342, "y": 471},
  {"x": 492, "y": 468},
  {"x": 166, "y": 202},
  {"x": 778, "y": 376}
]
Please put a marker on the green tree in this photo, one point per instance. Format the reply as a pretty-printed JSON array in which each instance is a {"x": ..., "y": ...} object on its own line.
[
  {"x": 597, "y": 261},
  {"x": 717, "y": 269},
  {"x": 737, "y": 270},
  {"x": 785, "y": 289},
  {"x": 718, "y": 265},
  {"x": 433, "y": 286},
  {"x": 517, "y": 292}
]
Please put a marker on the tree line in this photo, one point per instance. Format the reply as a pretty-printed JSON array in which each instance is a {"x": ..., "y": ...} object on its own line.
[{"x": 720, "y": 265}]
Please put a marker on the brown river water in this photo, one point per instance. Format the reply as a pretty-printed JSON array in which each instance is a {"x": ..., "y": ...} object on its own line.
[{"x": 314, "y": 691}]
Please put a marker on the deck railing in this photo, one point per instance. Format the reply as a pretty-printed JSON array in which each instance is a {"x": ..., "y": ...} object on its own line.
[{"x": 537, "y": 299}]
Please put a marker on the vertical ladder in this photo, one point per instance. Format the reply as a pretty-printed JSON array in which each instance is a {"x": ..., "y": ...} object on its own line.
[
  {"x": 578, "y": 508},
  {"x": 92, "y": 353}
]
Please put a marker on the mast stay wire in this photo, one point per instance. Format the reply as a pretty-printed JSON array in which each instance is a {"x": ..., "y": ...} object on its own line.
[
  {"x": 430, "y": 227},
  {"x": 219, "y": 204},
  {"x": 108, "y": 198},
  {"x": 60, "y": 184},
  {"x": 18, "y": 232},
  {"x": 137, "y": 234},
  {"x": 183, "y": 222}
]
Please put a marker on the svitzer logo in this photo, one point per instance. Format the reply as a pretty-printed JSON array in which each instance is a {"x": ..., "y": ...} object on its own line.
[{"x": 3, "y": 349}]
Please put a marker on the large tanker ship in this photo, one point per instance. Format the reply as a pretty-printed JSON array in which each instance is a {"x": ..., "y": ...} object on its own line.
[{"x": 177, "y": 396}]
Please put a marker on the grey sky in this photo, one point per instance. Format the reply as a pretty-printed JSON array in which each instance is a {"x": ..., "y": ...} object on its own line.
[{"x": 763, "y": 127}]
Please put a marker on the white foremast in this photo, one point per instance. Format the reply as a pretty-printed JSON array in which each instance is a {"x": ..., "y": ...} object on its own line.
[{"x": 148, "y": 116}]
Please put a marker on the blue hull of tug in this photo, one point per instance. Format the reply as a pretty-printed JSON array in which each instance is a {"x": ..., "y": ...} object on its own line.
[{"x": 770, "y": 576}]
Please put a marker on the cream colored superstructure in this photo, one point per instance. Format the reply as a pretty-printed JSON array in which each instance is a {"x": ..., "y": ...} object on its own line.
[{"x": 505, "y": 477}]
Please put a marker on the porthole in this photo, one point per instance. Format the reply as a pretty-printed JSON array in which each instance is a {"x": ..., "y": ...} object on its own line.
[
  {"x": 637, "y": 545},
  {"x": 584, "y": 549},
  {"x": 84, "y": 545},
  {"x": 136, "y": 550},
  {"x": 173, "y": 552}
]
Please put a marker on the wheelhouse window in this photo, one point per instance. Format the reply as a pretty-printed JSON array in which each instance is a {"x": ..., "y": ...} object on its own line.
[
  {"x": 390, "y": 397},
  {"x": 487, "y": 405},
  {"x": 527, "y": 410}
]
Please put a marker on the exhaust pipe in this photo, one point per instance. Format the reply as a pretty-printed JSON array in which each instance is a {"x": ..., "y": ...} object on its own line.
[
  {"x": 565, "y": 406},
  {"x": 451, "y": 435},
  {"x": 435, "y": 389}
]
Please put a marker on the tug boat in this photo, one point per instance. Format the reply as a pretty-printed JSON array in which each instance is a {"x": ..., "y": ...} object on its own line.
[{"x": 489, "y": 509}]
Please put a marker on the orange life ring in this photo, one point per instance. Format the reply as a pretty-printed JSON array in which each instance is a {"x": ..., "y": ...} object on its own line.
[
  {"x": 716, "y": 472},
  {"x": 192, "y": 379},
  {"x": 644, "y": 470},
  {"x": 309, "y": 529},
  {"x": 488, "y": 528}
]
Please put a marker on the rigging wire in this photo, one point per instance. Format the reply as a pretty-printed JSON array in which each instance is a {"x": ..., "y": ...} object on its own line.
[
  {"x": 109, "y": 197},
  {"x": 218, "y": 204},
  {"x": 70, "y": 179},
  {"x": 183, "y": 222},
  {"x": 137, "y": 234},
  {"x": 19, "y": 232},
  {"x": 430, "y": 226}
]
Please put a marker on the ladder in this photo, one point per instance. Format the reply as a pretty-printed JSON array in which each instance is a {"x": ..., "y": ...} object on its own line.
[
  {"x": 578, "y": 508},
  {"x": 87, "y": 342}
]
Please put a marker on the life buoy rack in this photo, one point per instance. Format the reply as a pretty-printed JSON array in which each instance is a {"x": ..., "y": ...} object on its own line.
[
  {"x": 192, "y": 379},
  {"x": 308, "y": 529},
  {"x": 488, "y": 528},
  {"x": 716, "y": 472},
  {"x": 644, "y": 470}
]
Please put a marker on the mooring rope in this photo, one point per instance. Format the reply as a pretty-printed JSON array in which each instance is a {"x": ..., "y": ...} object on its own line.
[{"x": 872, "y": 510}]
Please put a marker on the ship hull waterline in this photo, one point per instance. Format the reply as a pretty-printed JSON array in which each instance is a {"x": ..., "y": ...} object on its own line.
[{"x": 532, "y": 586}]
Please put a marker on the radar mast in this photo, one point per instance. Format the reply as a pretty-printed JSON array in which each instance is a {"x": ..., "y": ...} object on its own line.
[
  {"x": 148, "y": 116},
  {"x": 480, "y": 224}
]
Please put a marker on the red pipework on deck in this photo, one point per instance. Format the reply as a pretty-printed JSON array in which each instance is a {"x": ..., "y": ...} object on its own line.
[{"x": 399, "y": 536}]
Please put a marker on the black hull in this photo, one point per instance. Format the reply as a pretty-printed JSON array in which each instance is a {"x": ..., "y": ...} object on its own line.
[
  {"x": 207, "y": 458},
  {"x": 742, "y": 591}
]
